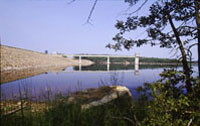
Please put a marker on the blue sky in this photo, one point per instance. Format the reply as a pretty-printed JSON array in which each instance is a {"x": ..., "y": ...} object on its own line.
[{"x": 54, "y": 25}]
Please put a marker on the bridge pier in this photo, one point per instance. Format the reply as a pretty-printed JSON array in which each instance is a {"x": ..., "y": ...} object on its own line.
[
  {"x": 80, "y": 61},
  {"x": 108, "y": 63},
  {"x": 136, "y": 64},
  {"x": 108, "y": 60}
]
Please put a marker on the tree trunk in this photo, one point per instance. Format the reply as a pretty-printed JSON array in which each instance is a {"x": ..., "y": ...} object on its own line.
[
  {"x": 186, "y": 68},
  {"x": 198, "y": 31}
]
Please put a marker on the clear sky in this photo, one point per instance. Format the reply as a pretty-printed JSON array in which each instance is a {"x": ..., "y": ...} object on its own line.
[{"x": 54, "y": 25}]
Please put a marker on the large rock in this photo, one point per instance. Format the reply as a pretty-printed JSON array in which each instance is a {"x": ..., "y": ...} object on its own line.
[{"x": 98, "y": 96}]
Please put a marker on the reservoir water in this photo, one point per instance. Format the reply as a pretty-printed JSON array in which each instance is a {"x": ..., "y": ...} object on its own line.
[{"x": 72, "y": 79}]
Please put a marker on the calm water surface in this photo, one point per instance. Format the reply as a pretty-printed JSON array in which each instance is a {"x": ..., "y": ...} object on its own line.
[{"x": 71, "y": 79}]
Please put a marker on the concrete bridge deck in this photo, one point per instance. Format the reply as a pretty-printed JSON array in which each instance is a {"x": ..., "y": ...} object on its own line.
[{"x": 136, "y": 57}]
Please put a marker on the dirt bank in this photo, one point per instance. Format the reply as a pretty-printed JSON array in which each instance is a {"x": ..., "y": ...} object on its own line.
[{"x": 20, "y": 63}]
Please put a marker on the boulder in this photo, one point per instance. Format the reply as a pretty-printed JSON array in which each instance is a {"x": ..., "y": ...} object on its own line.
[{"x": 98, "y": 96}]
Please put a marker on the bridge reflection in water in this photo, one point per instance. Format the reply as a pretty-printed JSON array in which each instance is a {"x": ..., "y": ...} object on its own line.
[{"x": 136, "y": 63}]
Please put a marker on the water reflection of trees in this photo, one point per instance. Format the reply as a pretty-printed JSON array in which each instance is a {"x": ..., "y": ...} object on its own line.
[{"x": 103, "y": 67}]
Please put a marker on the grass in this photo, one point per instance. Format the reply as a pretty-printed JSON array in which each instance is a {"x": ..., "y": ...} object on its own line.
[{"x": 59, "y": 112}]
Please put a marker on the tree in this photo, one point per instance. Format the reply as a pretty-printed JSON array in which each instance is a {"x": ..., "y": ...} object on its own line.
[
  {"x": 168, "y": 105},
  {"x": 178, "y": 15},
  {"x": 197, "y": 8}
]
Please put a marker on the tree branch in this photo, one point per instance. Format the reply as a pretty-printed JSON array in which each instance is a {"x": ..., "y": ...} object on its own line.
[
  {"x": 139, "y": 8},
  {"x": 91, "y": 12},
  {"x": 72, "y": 1}
]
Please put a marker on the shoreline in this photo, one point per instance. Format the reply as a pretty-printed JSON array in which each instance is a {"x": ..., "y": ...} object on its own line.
[
  {"x": 19, "y": 63},
  {"x": 17, "y": 74}
]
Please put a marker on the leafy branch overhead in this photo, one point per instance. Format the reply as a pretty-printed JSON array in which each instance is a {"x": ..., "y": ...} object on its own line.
[
  {"x": 156, "y": 25},
  {"x": 171, "y": 24}
]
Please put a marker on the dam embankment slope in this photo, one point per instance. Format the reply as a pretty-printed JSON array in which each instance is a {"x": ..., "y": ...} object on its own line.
[{"x": 19, "y": 63}]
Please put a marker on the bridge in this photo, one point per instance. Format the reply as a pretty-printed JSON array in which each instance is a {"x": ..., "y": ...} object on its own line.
[{"x": 136, "y": 57}]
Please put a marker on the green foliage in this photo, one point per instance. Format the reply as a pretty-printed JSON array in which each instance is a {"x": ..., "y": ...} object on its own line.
[
  {"x": 119, "y": 112},
  {"x": 111, "y": 114},
  {"x": 96, "y": 67},
  {"x": 157, "y": 24},
  {"x": 64, "y": 56},
  {"x": 157, "y": 60},
  {"x": 170, "y": 104},
  {"x": 62, "y": 114},
  {"x": 29, "y": 119},
  {"x": 162, "y": 103},
  {"x": 168, "y": 24}
]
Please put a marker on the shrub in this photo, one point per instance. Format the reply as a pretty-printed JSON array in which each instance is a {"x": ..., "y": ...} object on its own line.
[{"x": 170, "y": 104}]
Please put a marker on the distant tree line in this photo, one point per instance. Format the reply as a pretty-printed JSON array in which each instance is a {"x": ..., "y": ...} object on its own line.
[
  {"x": 103, "y": 67},
  {"x": 131, "y": 60}
]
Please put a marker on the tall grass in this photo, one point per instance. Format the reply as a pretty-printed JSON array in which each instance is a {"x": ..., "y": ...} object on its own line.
[{"x": 56, "y": 111}]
